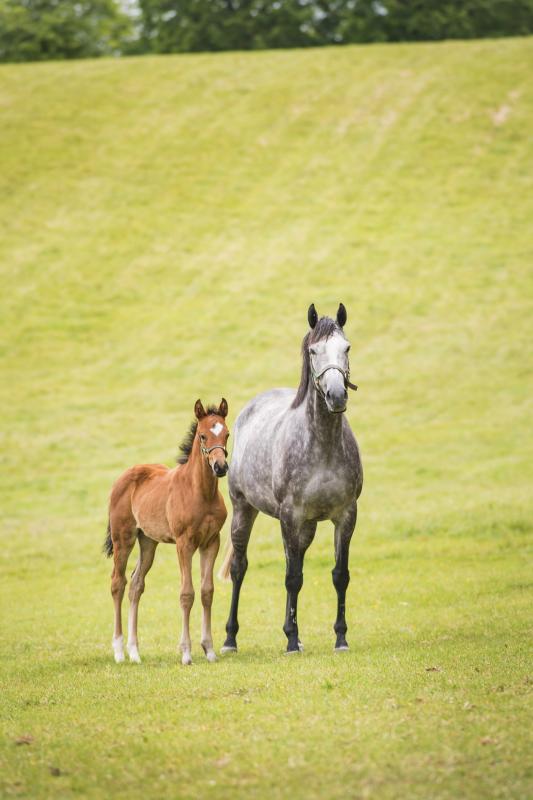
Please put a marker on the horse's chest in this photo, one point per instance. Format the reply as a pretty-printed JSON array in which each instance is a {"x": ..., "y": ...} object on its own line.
[{"x": 323, "y": 493}]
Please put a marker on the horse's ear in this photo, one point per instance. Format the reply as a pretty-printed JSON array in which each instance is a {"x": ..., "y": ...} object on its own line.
[
  {"x": 342, "y": 316},
  {"x": 223, "y": 408},
  {"x": 199, "y": 410},
  {"x": 312, "y": 316}
]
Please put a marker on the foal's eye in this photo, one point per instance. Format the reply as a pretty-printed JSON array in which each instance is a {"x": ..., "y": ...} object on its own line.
[{"x": 202, "y": 437}]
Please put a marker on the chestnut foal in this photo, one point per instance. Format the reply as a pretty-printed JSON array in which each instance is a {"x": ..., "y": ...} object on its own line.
[{"x": 181, "y": 506}]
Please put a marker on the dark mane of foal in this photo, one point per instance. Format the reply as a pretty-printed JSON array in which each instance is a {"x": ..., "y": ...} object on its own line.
[
  {"x": 324, "y": 328},
  {"x": 188, "y": 441}
]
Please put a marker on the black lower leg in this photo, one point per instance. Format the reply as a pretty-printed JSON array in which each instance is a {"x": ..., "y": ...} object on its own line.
[
  {"x": 293, "y": 584},
  {"x": 238, "y": 571},
  {"x": 341, "y": 579}
]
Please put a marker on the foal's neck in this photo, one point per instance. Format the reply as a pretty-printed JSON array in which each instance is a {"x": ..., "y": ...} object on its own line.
[{"x": 201, "y": 475}]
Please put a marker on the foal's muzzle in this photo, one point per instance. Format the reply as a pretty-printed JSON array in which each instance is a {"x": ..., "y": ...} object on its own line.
[{"x": 220, "y": 469}]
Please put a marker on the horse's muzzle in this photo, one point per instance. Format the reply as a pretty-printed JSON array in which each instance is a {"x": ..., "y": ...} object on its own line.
[{"x": 336, "y": 402}]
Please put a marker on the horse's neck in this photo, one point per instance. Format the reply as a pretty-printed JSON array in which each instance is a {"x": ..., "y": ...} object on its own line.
[
  {"x": 325, "y": 428},
  {"x": 200, "y": 474}
]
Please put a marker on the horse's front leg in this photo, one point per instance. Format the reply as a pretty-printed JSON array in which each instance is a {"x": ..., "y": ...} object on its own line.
[
  {"x": 185, "y": 549},
  {"x": 296, "y": 539},
  {"x": 207, "y": 561},
  {"x": 344, "y": 528}
]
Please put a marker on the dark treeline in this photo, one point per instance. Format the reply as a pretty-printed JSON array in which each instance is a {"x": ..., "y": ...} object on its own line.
[{"x": 53, "y": 29}]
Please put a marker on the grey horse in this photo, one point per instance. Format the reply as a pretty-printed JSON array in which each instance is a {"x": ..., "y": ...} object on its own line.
[{"x": 295, "y": 458}]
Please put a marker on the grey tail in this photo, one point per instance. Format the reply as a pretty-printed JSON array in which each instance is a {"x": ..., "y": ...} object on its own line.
[{"x": 107, "y": 549}]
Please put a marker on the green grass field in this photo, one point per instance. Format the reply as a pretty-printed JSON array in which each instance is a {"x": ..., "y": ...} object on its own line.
[{"x": 165, "y": 224}]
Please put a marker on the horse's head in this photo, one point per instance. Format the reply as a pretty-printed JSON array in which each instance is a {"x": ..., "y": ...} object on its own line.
[
  {"x": 328, "y": 348},
  {"x": 213, "y": 435}
]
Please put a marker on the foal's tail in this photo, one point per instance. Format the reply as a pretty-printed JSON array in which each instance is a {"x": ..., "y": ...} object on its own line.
[
  {"x": 107, "y": 549},
  {"x": 223, "y": 573}
]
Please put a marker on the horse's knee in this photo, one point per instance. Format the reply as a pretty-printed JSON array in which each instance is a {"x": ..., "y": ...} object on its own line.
[
  {"x": 238, "y": 568},
  {"x": 186, "y": 600},
  {"x": 341, "y": 579},
  {"x": 294, "y": 581}
]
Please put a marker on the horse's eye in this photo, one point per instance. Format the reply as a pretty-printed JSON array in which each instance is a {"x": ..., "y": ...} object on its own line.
[
  {"x": 312, "y": 350},
  {"x": 348, "y": 348}
]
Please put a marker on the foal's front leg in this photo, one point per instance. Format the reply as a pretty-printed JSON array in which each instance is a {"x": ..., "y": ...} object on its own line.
[
  {"x": 344, "y": 528},
  {"x": 207, "y": 562},
  {"x": 185, "y": 550}
]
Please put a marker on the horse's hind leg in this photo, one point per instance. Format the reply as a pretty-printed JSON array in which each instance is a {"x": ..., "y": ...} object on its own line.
[
  {"x": 241, "y": 526},
  {"x": 344, "y": 528},
  {"x": 147, "y": 548},
  {"x": 122, "y": 546},
  {"x": 207, "y": 562}
]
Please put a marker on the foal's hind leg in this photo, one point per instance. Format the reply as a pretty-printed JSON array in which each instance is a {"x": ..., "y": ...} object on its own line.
[
  {"x": 122, "y": 546},
  {"x": 147, "y": 548},
  {"x": 344, "y": 528},
  {"x": 241, "y": 526},
  {"x": 207, "y": 562}
]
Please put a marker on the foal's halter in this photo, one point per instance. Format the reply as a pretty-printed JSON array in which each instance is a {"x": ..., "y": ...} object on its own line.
[
  {"x": 206, "y": 450},
  {"x": 317, "y": 375}
]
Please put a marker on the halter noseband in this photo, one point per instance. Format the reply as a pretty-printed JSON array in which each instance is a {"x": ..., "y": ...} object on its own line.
[
  {"x": 344, "y": 372},
  {"x": 206, "y": 450}
]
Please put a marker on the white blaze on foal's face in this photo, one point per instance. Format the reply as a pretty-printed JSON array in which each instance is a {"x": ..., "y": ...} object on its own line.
[{"x": 217, "y": 428}]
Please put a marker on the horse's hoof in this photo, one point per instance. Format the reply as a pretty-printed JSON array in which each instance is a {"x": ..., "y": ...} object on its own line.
[
  {"x": 228, "y": 648},
  {"x": 341, "y": 648},
  {"x": 186, "y": 659},
  {"x": 290, "y": 651}
]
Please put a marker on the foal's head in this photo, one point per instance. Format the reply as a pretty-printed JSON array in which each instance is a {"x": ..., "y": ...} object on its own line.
[{"x": 212, "y": 435}]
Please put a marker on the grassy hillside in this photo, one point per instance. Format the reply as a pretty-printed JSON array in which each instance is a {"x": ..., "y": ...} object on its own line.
[{"x": 165, "y": 223}]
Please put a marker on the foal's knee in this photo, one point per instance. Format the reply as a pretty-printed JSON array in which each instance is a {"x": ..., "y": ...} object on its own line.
[
  {"x": 186, "y": 600},
  {"x": 136, "y": 590},
  {"x": 118, "y": 585},
  {"x": 207, "y": 596}
]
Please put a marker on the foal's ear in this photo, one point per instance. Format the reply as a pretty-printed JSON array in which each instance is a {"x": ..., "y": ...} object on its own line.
[
  {"x": 312, "y": 316},
  {"x": 199, "y": 410},
  {"x": 342, "y": 316},
  {"x": 223, "y": 408}
]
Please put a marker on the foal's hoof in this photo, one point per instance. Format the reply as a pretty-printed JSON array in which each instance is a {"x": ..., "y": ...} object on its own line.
[
  {"x": 186, "y": 659},
  {"x": 211, "y": 656},
  {"x": 134, "y": 655},
  {"x": 228, "y": 648},
  {"x": 118, "y": 649}
]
